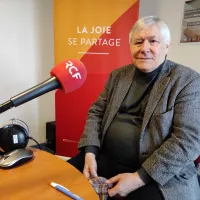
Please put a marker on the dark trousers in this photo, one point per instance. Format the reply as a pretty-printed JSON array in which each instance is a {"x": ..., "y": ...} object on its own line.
[{"x": 149, "y": 191}]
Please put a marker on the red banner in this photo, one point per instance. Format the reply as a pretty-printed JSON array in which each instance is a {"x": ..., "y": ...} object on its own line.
[{"x": 97, "y": 34}]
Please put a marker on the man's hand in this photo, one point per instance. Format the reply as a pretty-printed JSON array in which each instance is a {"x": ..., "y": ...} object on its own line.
[
  {"x": 126, "y": 183},
  {"x": 90, "y": 167}
]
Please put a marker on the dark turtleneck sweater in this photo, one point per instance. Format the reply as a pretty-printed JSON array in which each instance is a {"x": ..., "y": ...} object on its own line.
[{"x": 121, "y": 142}]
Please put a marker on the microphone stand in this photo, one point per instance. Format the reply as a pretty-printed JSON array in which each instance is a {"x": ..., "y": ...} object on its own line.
[{"x": 40, "y": 89}]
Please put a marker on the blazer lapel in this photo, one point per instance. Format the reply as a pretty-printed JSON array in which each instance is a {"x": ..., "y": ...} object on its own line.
[{"x": 156, "y": 93}]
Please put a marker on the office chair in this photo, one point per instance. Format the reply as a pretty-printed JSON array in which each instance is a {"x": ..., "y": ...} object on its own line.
[{"x": 197, "y": 162}]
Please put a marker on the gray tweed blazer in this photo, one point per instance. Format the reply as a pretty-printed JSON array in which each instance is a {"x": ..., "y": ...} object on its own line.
[{"x": 170, "y": 133}]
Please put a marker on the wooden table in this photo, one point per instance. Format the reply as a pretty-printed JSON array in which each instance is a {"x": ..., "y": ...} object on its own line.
[{"x": 32, "y": 180}]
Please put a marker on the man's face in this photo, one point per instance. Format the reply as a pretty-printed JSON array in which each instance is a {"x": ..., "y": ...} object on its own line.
[{"x": 148, "y": 49}]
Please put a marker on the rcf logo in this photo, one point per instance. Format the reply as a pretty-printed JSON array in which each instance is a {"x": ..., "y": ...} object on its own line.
[{"x": 73, "y": 70}]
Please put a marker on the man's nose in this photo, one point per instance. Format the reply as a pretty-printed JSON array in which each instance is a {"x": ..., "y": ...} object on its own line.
[{"x": 145, "y": 46}]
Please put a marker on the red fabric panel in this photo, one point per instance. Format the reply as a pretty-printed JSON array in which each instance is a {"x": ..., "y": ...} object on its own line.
[{"x": 72, "y": 108}]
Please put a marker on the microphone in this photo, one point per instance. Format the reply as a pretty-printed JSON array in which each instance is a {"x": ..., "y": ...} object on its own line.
[{"x": 68, "y": 76}]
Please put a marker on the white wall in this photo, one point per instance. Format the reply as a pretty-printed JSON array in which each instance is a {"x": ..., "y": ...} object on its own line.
[
  {"x": 26, "y": 58},
  {"x": 171, "y": 12},
  {"x": 27, "y": 55}
]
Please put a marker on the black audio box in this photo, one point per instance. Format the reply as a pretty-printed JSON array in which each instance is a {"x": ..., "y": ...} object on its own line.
[{"x": 51, "y": 136}]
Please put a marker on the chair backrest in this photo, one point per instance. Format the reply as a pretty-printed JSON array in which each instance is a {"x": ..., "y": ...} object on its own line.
[{"x": 197, "y": 161}]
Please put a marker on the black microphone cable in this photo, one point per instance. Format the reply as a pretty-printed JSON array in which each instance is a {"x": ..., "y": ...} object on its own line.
[{"x": 39, "y": 146}]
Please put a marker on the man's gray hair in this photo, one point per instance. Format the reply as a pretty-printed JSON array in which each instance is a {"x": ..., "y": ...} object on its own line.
[{"x": 148, "y": 21}]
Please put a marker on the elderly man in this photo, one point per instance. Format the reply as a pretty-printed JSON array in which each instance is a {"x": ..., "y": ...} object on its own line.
[{"x": 143, "y": 132}]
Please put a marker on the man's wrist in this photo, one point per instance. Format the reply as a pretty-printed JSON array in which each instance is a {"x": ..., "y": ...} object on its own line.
[
  {"x": 140, "y": 181},
  {"x": 92, "y": 149},
  {"x": 144, "y": 176}
]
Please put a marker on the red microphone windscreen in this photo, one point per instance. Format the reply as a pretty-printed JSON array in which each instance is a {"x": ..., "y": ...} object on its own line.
[{"x": 71, "y": 74}]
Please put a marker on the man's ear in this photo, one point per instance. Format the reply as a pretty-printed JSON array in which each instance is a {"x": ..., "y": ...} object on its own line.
[{"x": 168, "y": 46}]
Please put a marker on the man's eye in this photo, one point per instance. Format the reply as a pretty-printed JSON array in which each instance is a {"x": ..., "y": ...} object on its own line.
[
  {"x": 138, "y": 42},
  {"x": 153, "y": 41}
]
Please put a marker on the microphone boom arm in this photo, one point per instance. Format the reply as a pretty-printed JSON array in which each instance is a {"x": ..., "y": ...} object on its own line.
[{"x": 40, "y": 89}]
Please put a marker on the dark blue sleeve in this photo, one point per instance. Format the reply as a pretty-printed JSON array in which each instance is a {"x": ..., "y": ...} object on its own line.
[
  {"x": 144, "y": 175},
  {"x": 92, "y": 149}
]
